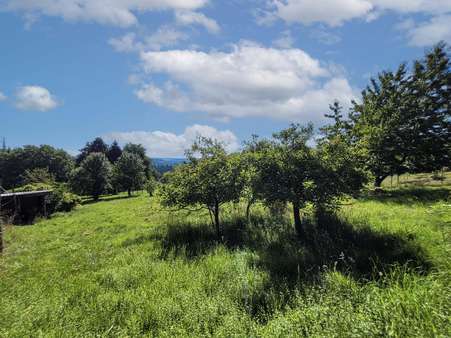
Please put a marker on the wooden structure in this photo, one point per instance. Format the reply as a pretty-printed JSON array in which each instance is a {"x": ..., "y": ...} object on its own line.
[{"x": 23, "y": 207}]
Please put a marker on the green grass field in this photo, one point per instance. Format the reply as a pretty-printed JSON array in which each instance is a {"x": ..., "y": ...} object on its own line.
[{"x": 123, "y": 267}]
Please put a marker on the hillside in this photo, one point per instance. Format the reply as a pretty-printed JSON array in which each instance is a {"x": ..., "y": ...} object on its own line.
[
  {"x": 163, "y": 165},
  {"x": 125, "y": 267}
]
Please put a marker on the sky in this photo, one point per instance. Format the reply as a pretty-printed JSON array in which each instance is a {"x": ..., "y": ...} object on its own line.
[{"x": 162, "y": 72}]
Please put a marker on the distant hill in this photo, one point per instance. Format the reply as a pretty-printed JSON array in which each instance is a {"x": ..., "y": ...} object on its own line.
[{"x": 165, "y": 164}]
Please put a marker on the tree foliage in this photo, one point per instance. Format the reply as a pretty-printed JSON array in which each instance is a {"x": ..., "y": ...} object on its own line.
[
  {"x": 402, "y": 123},
  {"x": 15, "y": 162},
  {"x": 114, "y": 152},
  {"x": 139, "y": 150},
  {"x": 209, "y": 179},
  {"x": 129, "y": 172},
  {"x": 289, "y": 170},
  {"x": 93, "y": 176},
  {"x": 96, "y": 146}
]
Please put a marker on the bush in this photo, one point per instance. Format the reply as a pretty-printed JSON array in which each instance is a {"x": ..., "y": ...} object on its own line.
[
  {"x": 62, "y": 200},
  {"x": 59, "y": 200},
  {"x": 150, "y": 186},
  {"x": 34, "y": 187}
]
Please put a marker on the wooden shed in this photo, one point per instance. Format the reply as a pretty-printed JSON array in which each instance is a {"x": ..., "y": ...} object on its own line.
[{"x": 23, "y": 207}]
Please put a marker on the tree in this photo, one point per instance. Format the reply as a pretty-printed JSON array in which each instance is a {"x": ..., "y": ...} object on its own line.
[
  {"x": 403, "y": 121},
  {"x": 285, "y": 166},
  {"x": 291, "y": 171},
  {"x": 209, "y": 179},
  {"x": 93, "y": 176},
  {"x": 129, "y": 172},
  {"x": 15, "y": 162},
  {"x": 96, "y": 146},
  {"x": 429, "y": 123},
  {"x": 139, "y": 150},
  {"x": 377, "y": 123},
  {"x": 38, "y": 175},
  {"x": 114, "y": 152},
  {"x": 250, "y": 171},
  {"x": 342, "y": 164}
]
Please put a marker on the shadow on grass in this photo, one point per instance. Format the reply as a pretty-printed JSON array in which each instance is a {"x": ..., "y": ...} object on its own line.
[
  {"x": 107, "y": 199},
  {"x": 410, "y": 195},
  {"x": 292, "y": 263},
  {"x": 329, "y": 243}
]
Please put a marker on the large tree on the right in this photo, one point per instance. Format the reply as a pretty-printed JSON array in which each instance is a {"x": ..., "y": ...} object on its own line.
[{"x": 402, "y": 123}]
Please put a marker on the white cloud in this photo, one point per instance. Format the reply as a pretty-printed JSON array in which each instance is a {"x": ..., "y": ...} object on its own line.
[
  {"x": 165, "y": 36},
  {"x": 428, "y": 33},
  {"x": 126, "y": 43},
  {"x": 250, "y": 80},
  {"x": 166, "y": 144},
  {"x": 336, "y": 12},
  {"x": 2, "y": 97},
  {"x": 331, "y": 12},
  {"x": 190, "y": 18},
  {"x": 325, "y": 36},
  {"x": 113, "y": 12},
  {"x": 414, "y": 6},
  {"x": 284, "y": 41},
  {"x": 35, "y": 98}
]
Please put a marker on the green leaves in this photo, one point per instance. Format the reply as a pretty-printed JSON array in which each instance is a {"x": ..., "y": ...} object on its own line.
[
  {"x": 403, "y": 122},
  {"x": 129, "y": 172},
  {"x": 93, "y": 177},
  {"x": 210, "y": 179}
]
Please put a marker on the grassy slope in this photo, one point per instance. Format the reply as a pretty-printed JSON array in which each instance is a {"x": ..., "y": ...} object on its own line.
[{"x": 123, "y": 267}]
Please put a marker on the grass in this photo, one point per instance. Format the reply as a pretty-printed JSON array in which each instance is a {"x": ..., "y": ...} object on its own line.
[{"x": 124, "y": 267}]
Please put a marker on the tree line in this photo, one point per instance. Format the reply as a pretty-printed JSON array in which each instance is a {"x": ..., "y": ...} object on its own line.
[{"x": 98, "y": 169}]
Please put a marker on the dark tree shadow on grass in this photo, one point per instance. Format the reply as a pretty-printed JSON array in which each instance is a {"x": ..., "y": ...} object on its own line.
[
  {"x": 410, "y": 195},
  {"x": 293, "y": 263},
  {"x": 107, "y": 199},
  {"x": 331, "y": 242}
]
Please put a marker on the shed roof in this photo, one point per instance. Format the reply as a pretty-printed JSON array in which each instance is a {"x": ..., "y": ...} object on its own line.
[{"x": 26, "y": 193}]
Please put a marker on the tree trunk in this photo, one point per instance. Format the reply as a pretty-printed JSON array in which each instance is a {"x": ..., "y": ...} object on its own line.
[
  {"x": 297, "y": 219},
  {"x": 248, "y": 209},
  {"x": 217, "y": 224},
  {"x": 129, "y": 192}
]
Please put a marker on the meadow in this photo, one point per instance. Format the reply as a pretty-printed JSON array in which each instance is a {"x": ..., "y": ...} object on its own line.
[{"x": 125, "y": 267}]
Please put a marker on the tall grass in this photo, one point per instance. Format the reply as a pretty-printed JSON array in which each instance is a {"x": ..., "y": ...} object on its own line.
[{"x": 124, "y": 267}]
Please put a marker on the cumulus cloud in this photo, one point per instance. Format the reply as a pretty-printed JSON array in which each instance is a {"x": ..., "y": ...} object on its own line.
[
  {"x": 331, "y": 12},
  {"x": 429, "y": 32},
  {"x": 2, "y": 97},
  {"x": 250, "y": 80},
  {"x": 166, "y": 144},
  {"x": 165, "y": 36},
  {"x": 191, "y": 18},
  {"x": 336, "y": 12},
  {"x": 113, "y": 12},
  {"x": 35, "y": 98}
]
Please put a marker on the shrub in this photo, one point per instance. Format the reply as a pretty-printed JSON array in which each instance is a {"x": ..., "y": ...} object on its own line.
[
  {"x": 63, "y": 200},
  {"x": 150, "y": 186},
  {"x": 34, "y": 187},
  {"x": 59, "y": 200}
]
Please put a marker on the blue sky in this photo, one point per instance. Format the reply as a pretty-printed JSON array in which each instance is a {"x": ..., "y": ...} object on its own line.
[{"x": 161, "y": 72}]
